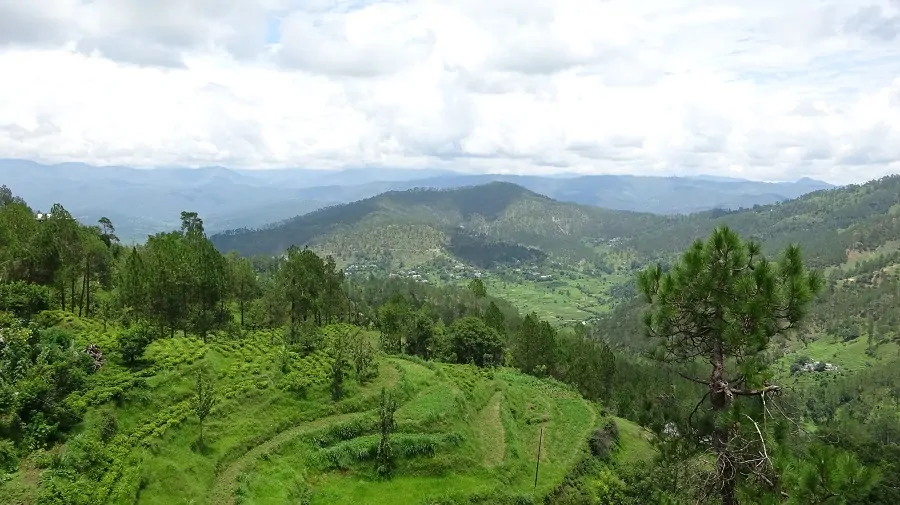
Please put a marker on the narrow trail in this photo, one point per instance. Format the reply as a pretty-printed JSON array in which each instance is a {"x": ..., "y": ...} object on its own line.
[
  {"x": 223, "y": 490},
  {"x": 491, "y": 432}
]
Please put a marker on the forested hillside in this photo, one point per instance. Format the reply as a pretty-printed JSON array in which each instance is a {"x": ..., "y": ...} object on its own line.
[
  {"x": 497, "y": 221},
  {"x": 169, "y": 371},
  {"x": 566, "y": 261},
  {"x": 843, "y": 364},
  {"x": 829, "y": 224}
]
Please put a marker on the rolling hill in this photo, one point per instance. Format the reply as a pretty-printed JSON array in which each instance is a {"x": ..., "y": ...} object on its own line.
[
  {"x": 851, "y": 234},
  {"x": 594, "y": 252},
  {"x": 658, "y": 195},
  {"x": 830, "y": 224},
  {"x": 146, "y": 201},
  {"x": 484, "y": 225}
]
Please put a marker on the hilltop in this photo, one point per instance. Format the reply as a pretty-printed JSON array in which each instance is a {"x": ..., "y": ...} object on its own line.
[
  {"x": 485, "y": 225},
  {"x": 146, "y": 201},
  {"x": 583, "y": 258}
]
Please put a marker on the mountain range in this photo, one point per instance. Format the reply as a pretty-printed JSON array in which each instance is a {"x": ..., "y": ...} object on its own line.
[
  {"x": 500, "y": 222},
  {"x": 145, "y": 201},
  {"x": 485, "y": 224}
]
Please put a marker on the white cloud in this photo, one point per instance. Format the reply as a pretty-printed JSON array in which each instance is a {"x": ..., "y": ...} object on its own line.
[{"x": 768, "y": 89}]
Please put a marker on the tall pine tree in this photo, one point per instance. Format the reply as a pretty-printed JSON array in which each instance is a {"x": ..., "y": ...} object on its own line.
[{"x": 721, "y": 305}]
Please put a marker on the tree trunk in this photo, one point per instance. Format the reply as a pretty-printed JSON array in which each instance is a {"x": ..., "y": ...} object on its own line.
[
  {"x": 83, "y": 289},
  {"x": 720, "y": 399},
  {"x": 87, "y": 284},
  {"x": 72, "y": 305},
  {"x": 242, "y": 312},
  {"x": 293, "y": 323}
]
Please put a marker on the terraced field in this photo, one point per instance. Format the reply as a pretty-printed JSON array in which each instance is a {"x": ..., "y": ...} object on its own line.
[{"x": 461, "y": 432}]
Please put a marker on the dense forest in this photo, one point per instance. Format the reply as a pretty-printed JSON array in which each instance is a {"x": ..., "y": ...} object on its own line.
[{"x": 91, "y": 329}]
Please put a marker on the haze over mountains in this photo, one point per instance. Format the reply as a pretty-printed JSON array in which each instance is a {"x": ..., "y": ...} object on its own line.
[{"x": 146, "y": 201}]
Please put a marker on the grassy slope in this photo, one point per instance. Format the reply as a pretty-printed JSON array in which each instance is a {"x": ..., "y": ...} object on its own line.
[
  {"x": 570, "y": 297},
  {"x": 499, "y": 416},
  {"x": 848, "y": 356},
  {"x": 260, "y": 442}
]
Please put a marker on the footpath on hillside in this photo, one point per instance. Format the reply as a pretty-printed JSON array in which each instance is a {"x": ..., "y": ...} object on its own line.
[
  {"x": 223, "y": 491},
  {"x": 491, "y": 431}
]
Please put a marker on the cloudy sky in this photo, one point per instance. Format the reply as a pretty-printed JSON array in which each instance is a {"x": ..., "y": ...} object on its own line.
[{"x": 764, "y": 89}]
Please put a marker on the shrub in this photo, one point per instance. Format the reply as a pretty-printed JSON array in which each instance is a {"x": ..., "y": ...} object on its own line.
[
  {"x": 402, "y": 445},
  {"x": 300, "y": 493},
  {"x": 9, "y": 458},
  {"x": 603, "y": 441},
  {"x": 25, "y": 299},
  {"x": 295, "y": 383},
  {"x": 134, "y": 341},
  {"x": 56, "y": 337},
  {"x": 340, "y": 432},
  {"x": 233, "y": 330},
  {"x": 108, "y": 425}
]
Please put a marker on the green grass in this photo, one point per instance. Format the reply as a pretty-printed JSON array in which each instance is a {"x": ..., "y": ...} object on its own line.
[
  {"x": 848, "y": 356},
  {"x": 492, "y": 413},
  {"x": 569, "y": 297},
  {"x": 634, "y": 443},
  {"x": 461, "y": 430},
  {"x": 855, "y": 257}
]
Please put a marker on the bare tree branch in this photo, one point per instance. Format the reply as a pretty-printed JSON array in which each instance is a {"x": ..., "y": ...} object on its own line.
[{"x": 755, "y": 392}]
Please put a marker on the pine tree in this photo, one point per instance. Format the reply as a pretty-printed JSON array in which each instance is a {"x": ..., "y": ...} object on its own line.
[
  {"x": 607, "y": 369},
  {"x": 535, "y": 346},
  {"x": 339, "y": 350},
  {"x": 495, "y": 319},
  {"x": 363, "y": 356},
  {"x": 870, "y": 335},
  {"x": 243, "y": 281},
  {"x": 722, "y": 304},
  {"x": 476, "y": 286}
]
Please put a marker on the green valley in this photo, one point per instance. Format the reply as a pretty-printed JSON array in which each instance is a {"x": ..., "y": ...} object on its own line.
[{"x": 475, "y": 345}]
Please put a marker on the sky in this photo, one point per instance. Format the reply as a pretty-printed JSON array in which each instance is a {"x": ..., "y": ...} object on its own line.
[{"x": 765, "y": 89}]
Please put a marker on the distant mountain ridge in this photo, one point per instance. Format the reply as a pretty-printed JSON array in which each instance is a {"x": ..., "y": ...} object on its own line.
[
  {"x": 497, "y": 222},
  {"x": 149, "y": 200},
  {"x": 417, "y": 224}
]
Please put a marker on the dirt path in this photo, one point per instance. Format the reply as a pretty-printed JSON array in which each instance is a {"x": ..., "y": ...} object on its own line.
[
  {"x": 491, "y": 432},
  {"x": 223, "y": 490}
]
